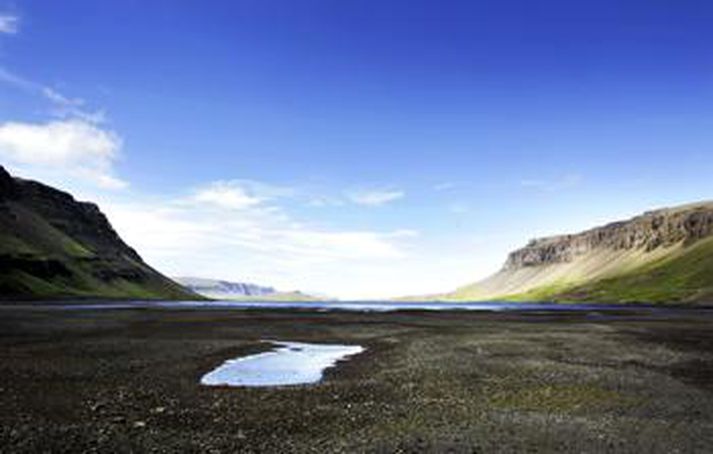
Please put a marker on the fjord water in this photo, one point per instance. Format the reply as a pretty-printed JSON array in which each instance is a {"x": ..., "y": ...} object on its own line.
[
  {"x": 370, "y": 306},
  {"x": 293, "y": 363}
]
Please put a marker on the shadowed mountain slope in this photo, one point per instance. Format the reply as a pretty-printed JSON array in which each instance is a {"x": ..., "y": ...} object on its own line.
[{"x": 52, "y": 246}]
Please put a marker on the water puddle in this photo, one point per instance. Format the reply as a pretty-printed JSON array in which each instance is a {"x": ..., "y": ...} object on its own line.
[{"x": 292, "y": 363}]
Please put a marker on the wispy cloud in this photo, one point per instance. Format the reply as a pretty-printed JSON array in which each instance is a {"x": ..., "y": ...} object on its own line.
[
  {"x": 64, "y": 107},
  {"x": 11, "y": 78},
  {"x": 9, "y": 23},
  {"x": 61, "y": 106},
  {"x": 374, "y": 197},
  {"x": 235, "y": 235}
]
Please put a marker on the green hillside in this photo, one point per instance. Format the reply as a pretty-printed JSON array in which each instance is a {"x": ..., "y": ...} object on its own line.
[
  {"x": 683, "y": 276},
  {"x": 663, "y": 256},
  {"x": 52, "y": 246}
]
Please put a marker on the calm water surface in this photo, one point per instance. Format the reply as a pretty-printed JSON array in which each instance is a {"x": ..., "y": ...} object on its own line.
[
  {"x": 371, "y": 306},
  {"x": 292, "y": 363}
]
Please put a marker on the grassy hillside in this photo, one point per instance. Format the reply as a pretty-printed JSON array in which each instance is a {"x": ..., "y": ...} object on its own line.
[
  {"x": 683, "y": 276},
  {"x": 661, "y": 271},
  {"x": 52, "y": 246},
  {"x": 553, "y": 281}
]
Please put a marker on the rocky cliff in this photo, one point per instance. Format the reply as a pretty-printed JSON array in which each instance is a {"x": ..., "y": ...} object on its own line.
[
  {"x": 226, "y": 290},
  {"x": 652, "y": 230},
  {"x": 663, "y": 256},
  {"x": 214, "y": 287},
  {"x": 52, "y": 246}
]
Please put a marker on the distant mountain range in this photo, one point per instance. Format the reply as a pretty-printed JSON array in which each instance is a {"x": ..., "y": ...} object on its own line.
[
  {"x": 52, "y": 246},
  {"x": 225, "y": 290},
  {"x": 662, "y": 256},
  {"x": 214, "y": 286}
]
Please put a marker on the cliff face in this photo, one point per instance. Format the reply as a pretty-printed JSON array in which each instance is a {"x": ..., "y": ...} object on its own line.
[
  {"x": 226, "y": 288},
  {"x": 53, "y": 246},
  {"x": 661, "y": 256},
  {"x": 652, "y": 230}
]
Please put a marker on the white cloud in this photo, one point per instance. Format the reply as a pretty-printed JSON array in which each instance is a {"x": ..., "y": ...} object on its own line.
[
  {"x": 262, "y": 244},
  {"x": 9, "y": 24},
  {"x": 226, "y": 194},
  {"x": 74, "y": 147},
  {"x": 233, "y": 235},
  {"x": 375, "y": 197}
]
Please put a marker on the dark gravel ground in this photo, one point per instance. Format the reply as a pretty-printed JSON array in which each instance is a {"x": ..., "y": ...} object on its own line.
[{"x": 127, "y": 381}]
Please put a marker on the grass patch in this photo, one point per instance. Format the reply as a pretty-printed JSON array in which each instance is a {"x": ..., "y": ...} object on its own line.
[{"x": 554, "y": 398}]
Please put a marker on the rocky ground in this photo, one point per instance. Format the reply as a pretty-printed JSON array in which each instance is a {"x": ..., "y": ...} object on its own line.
[{"x": 127, "y": 381}]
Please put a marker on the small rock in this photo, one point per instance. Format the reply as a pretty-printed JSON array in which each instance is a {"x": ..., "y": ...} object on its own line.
[
  {"x": 96, "y": 407},
  {"x": 139, "y": 424}
]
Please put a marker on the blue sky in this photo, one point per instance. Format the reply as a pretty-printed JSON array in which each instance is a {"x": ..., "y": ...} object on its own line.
[{"x": 358, "y": 148}]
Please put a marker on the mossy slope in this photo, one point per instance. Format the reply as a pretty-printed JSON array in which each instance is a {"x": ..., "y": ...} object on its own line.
[{"x": 52, "y": 246}]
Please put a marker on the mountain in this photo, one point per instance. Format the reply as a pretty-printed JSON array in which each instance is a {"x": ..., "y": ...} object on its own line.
[
  {"x": 216, "y": 287},
  {"x": 52, "y": 246},
  {"x": 662, "y": 256},
  {"x": 226, "y": 290}
]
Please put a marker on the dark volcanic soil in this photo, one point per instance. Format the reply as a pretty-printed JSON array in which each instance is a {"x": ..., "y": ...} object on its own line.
[{"x": 127, "y": 381}]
